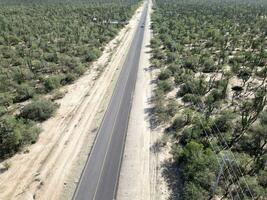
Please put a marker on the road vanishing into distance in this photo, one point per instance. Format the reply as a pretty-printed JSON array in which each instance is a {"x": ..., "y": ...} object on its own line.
[{"x": 99, "y": 179}]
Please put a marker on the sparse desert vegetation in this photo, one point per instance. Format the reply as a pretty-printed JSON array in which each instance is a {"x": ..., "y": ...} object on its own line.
[
  {"x": 211, "y": 94},
  {"x": 45, "y": 45}
]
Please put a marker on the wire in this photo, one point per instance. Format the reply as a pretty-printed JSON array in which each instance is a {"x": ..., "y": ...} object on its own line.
[{"x": 232, "y": 168}]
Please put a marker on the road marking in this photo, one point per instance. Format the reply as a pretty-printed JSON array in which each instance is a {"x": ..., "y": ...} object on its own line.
[
  {"x": 116, "y": 117},
  {"x": 101, "y": 127},
  {"x": 128, "y": 117}
]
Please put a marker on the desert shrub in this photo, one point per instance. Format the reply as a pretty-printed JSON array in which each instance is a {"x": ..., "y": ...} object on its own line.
[
  {"x": 174, "y": 68},
  {"x": 58, "y": 95},
  {"x": 40, "y": 50},
  {"x": 158, "y": 95},
  {"x": 255, "y": 188},
  {"x": 190, "y": 62},
  {"x": 171, "y": 57},
  {"x": 2, "y": 110},
  {"x": 262, "y": 72},
  {"x": 68, "y": 79},
  {"x": 165, "y": 86},
  {"x": 155, "y": 43},
  {"x": 79, "y": 69},
  {"x": 207, "y": 65},
  {"x": 191, "y": 98},
  {"x": 51, "y": 57},
  {"x": 222, "y": 123},
  {"x": 187, "y": 135},
  {"x": 7, "y": 165},
  {"x": 193, "y": 191},
  {"x": 92, "y": 55},
  {"x": 171, "y": 107},
  {"x": 158, "y": 54},
  {"x": 193, "y": 86},
  {"x": 21, "y": 75},
  {"x": 185, "y": 89},
  {"x": 38, "y": 110},
  {"x": 164, "y": 112},
  {"x": 24, "y": 92},
  {"x": 199, "y": 168},
  {"x": 5, "y": 99},
  {"x": 179, "y": 122},
  {"x": 262, "y": 178},
  {"x": 165, "y": 74},
  {"x": 14, "y": 133},
  {"x": 204, "y": 57},
  {"x": 52, "y": 82}
]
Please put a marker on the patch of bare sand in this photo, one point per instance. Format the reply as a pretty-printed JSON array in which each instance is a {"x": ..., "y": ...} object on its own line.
[{"x": 52, "y": 164}]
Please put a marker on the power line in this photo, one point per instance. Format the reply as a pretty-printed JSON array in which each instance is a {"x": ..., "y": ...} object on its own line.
[{"x": 232, "y": 168}]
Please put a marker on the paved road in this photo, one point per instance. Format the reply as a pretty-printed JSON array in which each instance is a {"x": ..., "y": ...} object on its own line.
[{"x": 99, "y": 179}]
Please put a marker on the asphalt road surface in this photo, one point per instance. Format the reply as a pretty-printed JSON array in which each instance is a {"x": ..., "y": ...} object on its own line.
[{"x": 99, "y": 179}]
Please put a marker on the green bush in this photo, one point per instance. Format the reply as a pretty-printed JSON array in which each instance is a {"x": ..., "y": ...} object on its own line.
[
  {"x": 199, "y": 169},
  {"x": 5, "y": 99},
  {"x": 68, "y": 79},
  {"x": 165, "y": 74},
  {"x": 79, "y": 69},
  {"x": 7, "y": 165},
  {"x": 190, "y": 62},
  {"x": 2, "y": 110},
  {"x": 165, "y": 86},
  {"x": 262, "y": 178},
  {"x": 160, "y": 112},
  {"x": 155, "y": 43},
  {"x": 193, "y": 191},
  {"x": 51, "y": 57},
  {"x": 171, "y": 107},
  {"x": 14, "y": 133},
  {"x": 207, "y": 65},
  {"x": 24, "y": 92},
  {"x": 52, "y": 83},
  {"x": 92, "y": 55},
  {"x": 38, "y": 110},
  {"x": 179, "y": 122},
  {"x": 21, "y": 75},
  {"x": 58, "y": 95},
  {"x": 193, "y": 86},
  {"x": 174, "y": 68},
  {"x": 191, "y": 98}
]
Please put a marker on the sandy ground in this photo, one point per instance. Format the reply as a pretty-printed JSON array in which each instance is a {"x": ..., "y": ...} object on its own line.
[
  {"x": 52, "y": 166},
  {"x": 160, "y": 157}
]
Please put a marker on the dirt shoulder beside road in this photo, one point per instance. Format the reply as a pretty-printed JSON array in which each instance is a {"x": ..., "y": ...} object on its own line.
[{"x": 51, "y": 167}]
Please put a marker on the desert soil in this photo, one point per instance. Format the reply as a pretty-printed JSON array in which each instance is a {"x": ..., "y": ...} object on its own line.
[{"x": 50, "y": 168}]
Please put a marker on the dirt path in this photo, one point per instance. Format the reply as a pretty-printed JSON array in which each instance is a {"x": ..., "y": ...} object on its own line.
[
  {"x": 52, "y": 165},
  {"x": 134, "y": 182}
]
